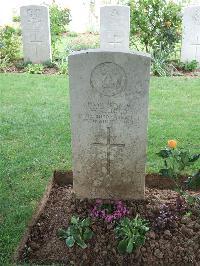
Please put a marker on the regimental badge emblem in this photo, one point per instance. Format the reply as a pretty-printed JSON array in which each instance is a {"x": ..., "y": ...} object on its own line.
[{"x": 108, "y": 78}]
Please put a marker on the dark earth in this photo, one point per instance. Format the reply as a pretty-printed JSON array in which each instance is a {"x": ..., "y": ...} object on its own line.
[{"x": 176, "y": 244}]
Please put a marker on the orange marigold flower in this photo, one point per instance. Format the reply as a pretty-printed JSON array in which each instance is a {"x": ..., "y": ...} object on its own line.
[{"x": 172, "y": 143}]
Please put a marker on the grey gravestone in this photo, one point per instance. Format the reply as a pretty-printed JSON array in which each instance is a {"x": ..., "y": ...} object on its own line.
[
  {"x": 36, "y": 33},
  {"x": 191, "y": 34},
  {"x": 114, "y": 27},
  {"x": 109, "y": 103}
]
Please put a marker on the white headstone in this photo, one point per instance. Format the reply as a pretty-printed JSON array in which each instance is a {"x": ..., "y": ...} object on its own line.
[
  {"x": 114, "y": 27},
  {"x": 191, "y": 34},
  {"x": 36, "y": 33},
  {"x": 109, "y": 103}
]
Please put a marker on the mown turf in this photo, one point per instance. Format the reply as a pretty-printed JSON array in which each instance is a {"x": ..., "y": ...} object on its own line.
[{"x": 35, "y": 139}]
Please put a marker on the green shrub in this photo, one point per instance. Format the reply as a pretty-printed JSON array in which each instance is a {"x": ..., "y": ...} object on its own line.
[
  {"x": 59, "y": 18},
  {"x": 9, "y": 44},
  {"x": 131, "y": 234},
  {"x": 34, "y": 68},
  {"x": 78, "y": 232},
  {"x": 157, "y": 23},
  {"x": 156, "y": 26}
]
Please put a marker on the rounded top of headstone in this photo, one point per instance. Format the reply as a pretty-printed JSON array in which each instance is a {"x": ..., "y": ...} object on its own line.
[
  {"x": 115, "y": 6},
  {"x": 33, "y": 6},
  {"x": 92, "y": 51}
]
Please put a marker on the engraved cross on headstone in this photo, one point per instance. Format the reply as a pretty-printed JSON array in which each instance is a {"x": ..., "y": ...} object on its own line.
[
  {"x": 108, "y": 146},
  {"x": 35, "y": 39},
  {"x": 116, "y": 41}
]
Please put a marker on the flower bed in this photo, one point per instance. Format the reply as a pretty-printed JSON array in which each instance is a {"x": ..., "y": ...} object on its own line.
[{"x": 173, "y": 237}]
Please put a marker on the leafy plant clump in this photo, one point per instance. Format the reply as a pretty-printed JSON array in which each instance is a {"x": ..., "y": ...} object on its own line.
[
  {"x": 175, "y": 162},
  {"x": 110, "y": 211},
  {"x": 34, "y": 68},
  {"x": 166, "y": 218},
  {"x": 189, "y": 66},
  {"x": 131, "y": 233},
  {"x": 168, "y": 214},
  {"x": 78, "y": 232}
]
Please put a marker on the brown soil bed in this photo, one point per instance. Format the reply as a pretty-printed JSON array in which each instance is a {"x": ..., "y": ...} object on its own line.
[
  {"x": 46, "y": 71},
  {"x": 174, "y": 245}
]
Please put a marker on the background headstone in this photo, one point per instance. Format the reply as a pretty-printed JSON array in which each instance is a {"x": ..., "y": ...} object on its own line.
[
  {"x": 36, "y": 33},
  {"x": 109, "y": 102},
  {"x": 191, "y": 34},
  {"x": 114, "y": 27}
]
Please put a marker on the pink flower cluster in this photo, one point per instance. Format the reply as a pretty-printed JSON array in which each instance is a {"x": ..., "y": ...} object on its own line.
[{"x": 119, "y": 210}]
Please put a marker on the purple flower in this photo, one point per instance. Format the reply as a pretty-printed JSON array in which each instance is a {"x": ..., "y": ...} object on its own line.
[{"x": 109, "y": 212}]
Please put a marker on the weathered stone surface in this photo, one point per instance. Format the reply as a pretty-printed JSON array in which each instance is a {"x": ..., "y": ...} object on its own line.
[
  {"x": 114, "y": 27},
  {"x": 191, "y": 34},
  {"x": 36, "y": 33},
  {"x": 109, "y": 102}
]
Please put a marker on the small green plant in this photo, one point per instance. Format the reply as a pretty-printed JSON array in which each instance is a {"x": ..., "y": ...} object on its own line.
[
  {"x": 159, "y": 66},
  {"x": 131, "y": 233},
  {"x": 189, "y": 66},
  {"x": 16, "y": 19},
  {"x": 4, "y": 64},
  {"x": 62, "y": 67},
  {"x": 21, "y": 64},
  {"x": 78, "y": 232},
  {"x": 49, "y": 64},
  {"x": 72, "y": 34},
  {"x": 34, "y": 68},
  {"x": 175, "y": 160}
]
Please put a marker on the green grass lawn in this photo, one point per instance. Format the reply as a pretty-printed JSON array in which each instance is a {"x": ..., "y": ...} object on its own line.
[{"x": 35, "y": 139}]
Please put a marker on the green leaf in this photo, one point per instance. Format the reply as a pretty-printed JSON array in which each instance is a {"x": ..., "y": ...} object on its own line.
[
  {"x": 88, "y": 234},
  {"x": 70, "y": 241},
  {"x": 122, "y": 246},
  {"x": 74, "y": 220},
  {"x": 129, "y": 248},
  {"x": 165, "y": 153},
  {"x": 167, "y": 172},
  {"x": 164, "y": 172},
  {"x": 194, "y": 181},
  {"x": 80, "y": 242},
  {"x": 85, "y": 222},
  {"x": 184, "y": 155},
  {"x": 194, "y": 158},
  {"x": 62, "y": 233}
]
